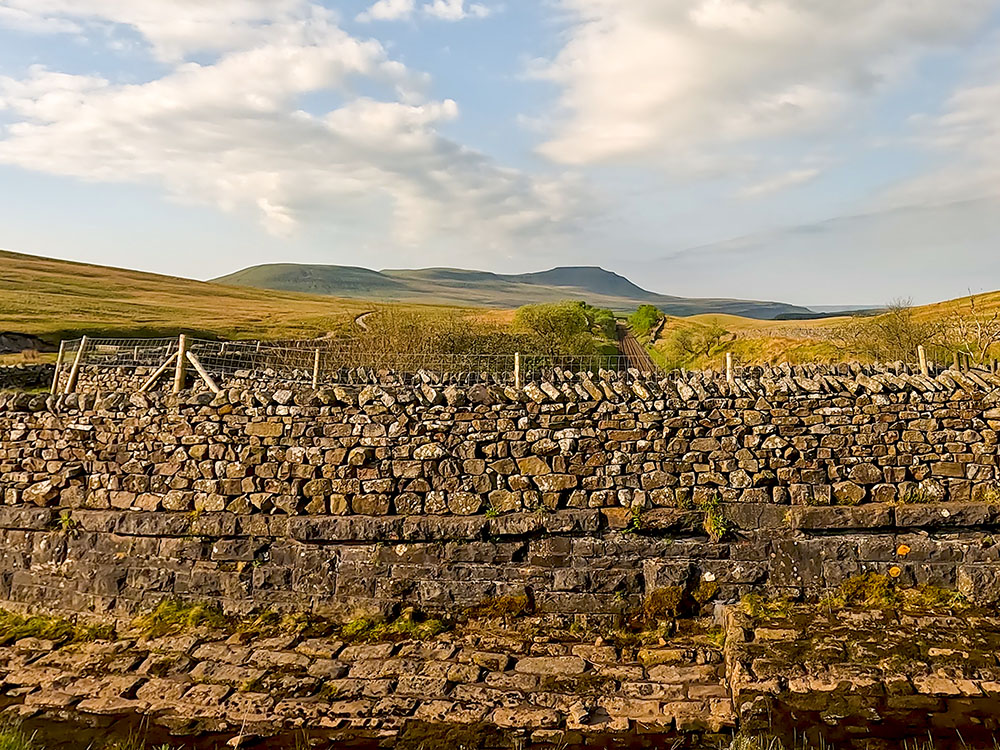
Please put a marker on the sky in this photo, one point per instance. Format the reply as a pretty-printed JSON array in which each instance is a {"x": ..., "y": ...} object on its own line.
[{"x": 817, "y": 152}]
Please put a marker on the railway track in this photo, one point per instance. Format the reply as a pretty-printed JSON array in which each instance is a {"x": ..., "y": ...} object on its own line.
[{"x": 635, "y": 352}]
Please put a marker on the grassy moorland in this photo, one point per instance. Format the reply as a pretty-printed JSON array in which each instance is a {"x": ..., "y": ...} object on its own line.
[
  {"x": 702, "y": 341},
  {"x": 969, "y": 325},
  {"x": 56, "y": 299}
]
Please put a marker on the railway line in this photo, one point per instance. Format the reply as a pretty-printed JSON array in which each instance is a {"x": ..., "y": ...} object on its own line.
[{"x": 635, "y": 352}]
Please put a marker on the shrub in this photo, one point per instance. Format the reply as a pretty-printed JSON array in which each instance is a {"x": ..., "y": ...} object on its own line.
[
  {"x": 566, "y": 328},
  {"x": 892, "y": 336},
  {"x": 643, "y": 319}
]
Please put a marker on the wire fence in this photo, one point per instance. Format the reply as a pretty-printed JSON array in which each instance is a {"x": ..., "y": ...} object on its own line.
[{"x": 321, "y": 362}]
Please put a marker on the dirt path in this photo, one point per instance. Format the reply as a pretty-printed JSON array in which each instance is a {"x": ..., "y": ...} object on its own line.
[{"x": 360, "y": 320}]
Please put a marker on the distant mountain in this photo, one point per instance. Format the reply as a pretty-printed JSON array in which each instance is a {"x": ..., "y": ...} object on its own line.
[{"x": 463, "y": 287}]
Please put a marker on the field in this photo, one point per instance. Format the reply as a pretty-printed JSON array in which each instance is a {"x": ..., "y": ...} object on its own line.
[
  {"x": 702, "y": 341},
  {"x": 56, "y": 299}
]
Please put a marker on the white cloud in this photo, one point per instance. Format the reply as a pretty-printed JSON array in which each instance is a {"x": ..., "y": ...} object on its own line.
[
  {"x": 233, "y": 133},
  {"x": 403, "y": 10},
  {"x": 966, "y": 138},
  {"x": 645, "y": 80},
  {"x": 455, "y": 10},
  {"x": 19, "y": 19},
  {"x": 389, "y": 10},
  {"x": 175, "y": 28}
]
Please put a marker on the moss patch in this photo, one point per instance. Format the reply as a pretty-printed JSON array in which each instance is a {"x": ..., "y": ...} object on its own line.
[
  {"x": 14, "y": 627},
  {"x": 500, "y": 608},
  {"x": 172, "y": 616},
  {"x": 403, "y": 628},
  {"x": 759, "y": 607},
  {"x": 662, "y": 604}
]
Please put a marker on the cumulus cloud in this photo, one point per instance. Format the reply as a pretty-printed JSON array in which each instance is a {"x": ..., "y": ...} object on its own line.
[
  {"x": 173, "y": 28},
  {"x": 643, "y": 80},
  {"x": 455, "y": 10},
  {"x": 19, "y": 19},
  {"x": 402, "y": 10},
  {"x": 233, "y": 133},
  {"x": 389, "y": 10}
]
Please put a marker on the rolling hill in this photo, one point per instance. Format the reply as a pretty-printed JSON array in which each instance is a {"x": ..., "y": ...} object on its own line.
[
  {"x": 57, "y": 299},
  {"x": 463, "y": 287}
]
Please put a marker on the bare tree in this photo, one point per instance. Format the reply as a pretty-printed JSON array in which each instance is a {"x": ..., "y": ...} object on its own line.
[
  {"x": 892, "y": 335},
  {"x": 973, "y": 331}
]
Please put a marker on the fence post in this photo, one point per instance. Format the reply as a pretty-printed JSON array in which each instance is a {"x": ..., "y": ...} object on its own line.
[
  {"x": 59, "y": 361},
  {"x": 730, "y": 378},
  {"x": 74, "y": 372},
  {"x": 316, "y": 369},
  {"x": 954, "y": 363},
  {"x": 922, "y": 355},
  {"x": 180, "y": 372},
  {"x": 517, "y": 370}
]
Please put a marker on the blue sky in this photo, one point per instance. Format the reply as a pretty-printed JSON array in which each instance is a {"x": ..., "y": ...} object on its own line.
[{"x": 802, "y": 150}]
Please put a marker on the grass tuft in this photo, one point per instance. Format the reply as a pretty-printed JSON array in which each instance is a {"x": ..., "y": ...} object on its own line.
[
  {"x": 13, "y": 738},
  {"x": 716, "y": 525}
]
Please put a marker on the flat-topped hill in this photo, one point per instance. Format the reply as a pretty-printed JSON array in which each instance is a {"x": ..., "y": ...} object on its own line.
[{"x": 597, "y": 286}]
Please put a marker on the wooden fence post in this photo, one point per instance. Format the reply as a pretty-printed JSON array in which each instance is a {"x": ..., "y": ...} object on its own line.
[
  {"x": 316, "y": 369},
  {"x": 517, "y": 370},
  {"x": 922, "y": 355},
  {"x": 954, "y": 364},
  {"x": 730, "y": 377},
  {"x": 180, "y": 372},
  {"x": 59, "y": 362},
  {"x": 74, "y": 372}
]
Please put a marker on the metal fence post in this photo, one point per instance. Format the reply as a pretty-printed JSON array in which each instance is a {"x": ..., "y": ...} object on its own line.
[
  {"x": 517, "y": 370},
  {"x": 180, "y": 372},
  {"x": 59, "y": 362},
  {"x": 74, "y": 372}
]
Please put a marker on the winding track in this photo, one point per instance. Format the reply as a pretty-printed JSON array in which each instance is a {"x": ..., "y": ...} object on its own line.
[{"x": 636, "y": 353}]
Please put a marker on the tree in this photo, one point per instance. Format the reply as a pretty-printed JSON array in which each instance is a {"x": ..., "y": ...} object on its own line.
[
  {"x": 893, "y": 335},
  {"x": 567, "y": 327},
  {"x": 973, "y": 331},
  {"x": 643, "y": 319},
  {"x": 561, "y": 328}
]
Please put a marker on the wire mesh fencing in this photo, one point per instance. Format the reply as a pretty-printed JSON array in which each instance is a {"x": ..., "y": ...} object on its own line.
[{"x": 322, "y": 362}]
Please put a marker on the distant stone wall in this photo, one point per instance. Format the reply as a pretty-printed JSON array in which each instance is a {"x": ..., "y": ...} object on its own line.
[
  {"x": 26, "y": 377},
  {"x": 582, "y": 495}
]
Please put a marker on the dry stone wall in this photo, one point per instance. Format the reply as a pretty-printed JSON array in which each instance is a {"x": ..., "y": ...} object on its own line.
[
  {"x": 26, "y": 377},
  {"x": 583, "y": 495}
]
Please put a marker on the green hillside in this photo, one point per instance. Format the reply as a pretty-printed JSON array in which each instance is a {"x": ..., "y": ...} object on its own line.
[
  {"x": 57, "y": 299},
  {"x": 452, "y": 286}
]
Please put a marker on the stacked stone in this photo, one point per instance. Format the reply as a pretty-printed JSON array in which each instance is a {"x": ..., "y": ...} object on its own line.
[
  {"x": 25, "y": 376},
  {"x": 593, "y": 491},
  {"x": 462, "y": 451},
  {"x": 551, "y": 691}
]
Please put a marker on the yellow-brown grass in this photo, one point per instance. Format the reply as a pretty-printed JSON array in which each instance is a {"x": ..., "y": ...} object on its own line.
[{"x": 57, "y": 299}]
